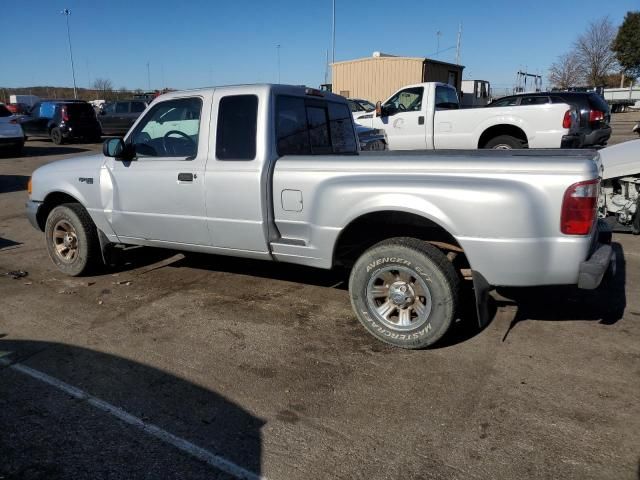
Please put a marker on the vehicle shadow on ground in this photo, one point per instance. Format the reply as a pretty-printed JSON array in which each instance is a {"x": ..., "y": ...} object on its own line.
[
  {"x": 13, "y": 183},
  {"x": 465, "y": 327},
  {"x": 52, "y": 149},
  {"x": 6, "y": 243},
  {"x": 50, "y": 434},
  {"x": 606, "y": 304}
]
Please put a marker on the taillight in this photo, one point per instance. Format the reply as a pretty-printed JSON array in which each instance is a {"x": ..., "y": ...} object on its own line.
[
  {"x": 596, "y": 116},
  {"x": 579, "y": 208},
  {"x": 566, "y": 121},
  {"x": 29, "y": 186},
  {"x": 65, "y": 116}
]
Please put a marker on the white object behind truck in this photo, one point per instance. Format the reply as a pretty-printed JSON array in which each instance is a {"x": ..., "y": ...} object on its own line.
[{"x": 30, "y": 100}]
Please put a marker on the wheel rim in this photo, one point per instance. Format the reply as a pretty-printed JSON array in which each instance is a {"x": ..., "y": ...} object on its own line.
[
  {"x": 65, "y": 241},
  {"x": 56, "y": 136},
  {"x": 399, "y": 298},
  {"x": 503, "y": 146}
]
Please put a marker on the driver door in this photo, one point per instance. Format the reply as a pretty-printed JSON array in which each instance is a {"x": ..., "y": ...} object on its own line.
[
  {"x": 403, "y": 120},
  {"x": 159, "y": 196}
]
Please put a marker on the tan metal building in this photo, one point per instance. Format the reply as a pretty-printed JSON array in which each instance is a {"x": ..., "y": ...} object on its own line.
[{"x": 377, "y": 77}]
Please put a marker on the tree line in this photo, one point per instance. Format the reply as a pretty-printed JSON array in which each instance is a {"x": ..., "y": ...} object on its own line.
[
  {"x": 102, "y": 89},
  {"x": 602, "y": 55}
]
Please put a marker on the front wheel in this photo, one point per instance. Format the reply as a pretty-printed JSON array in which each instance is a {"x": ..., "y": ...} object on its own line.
[
  {"x": 405, "y": 292},
  {"x": 72, "y": 239}
]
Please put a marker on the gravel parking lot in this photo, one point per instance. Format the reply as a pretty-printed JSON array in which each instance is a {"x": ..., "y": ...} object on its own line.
[{"x": 192, "y": 366}]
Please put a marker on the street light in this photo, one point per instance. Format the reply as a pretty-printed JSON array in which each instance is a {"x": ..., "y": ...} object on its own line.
[{"x": 66, "y": 12}]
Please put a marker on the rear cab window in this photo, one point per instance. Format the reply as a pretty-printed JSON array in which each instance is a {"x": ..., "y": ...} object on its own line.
[
  {"x": 446, "y": 98},
  {"x": 237, "y": 127},
  {"x": 313, "y": 127}
]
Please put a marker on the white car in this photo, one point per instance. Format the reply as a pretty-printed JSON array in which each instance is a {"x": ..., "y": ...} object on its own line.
[
  {"x": 619, "y": 201},
  {"x": 11, "y": 134}
]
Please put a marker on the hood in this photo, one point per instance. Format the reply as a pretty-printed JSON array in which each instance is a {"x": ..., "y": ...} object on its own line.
[
  {"x": 82, "y": 163},
  {"x": 621, "y": 160}
]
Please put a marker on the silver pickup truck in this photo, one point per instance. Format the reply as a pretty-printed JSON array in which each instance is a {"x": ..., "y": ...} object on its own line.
[{"x": 274, "y": 172}]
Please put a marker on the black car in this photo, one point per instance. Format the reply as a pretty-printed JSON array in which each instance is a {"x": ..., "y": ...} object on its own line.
[
  {"x": 116, "y": 118},
  {"x": 594, "y": 111},
  {"x": 61, "y": 121}
]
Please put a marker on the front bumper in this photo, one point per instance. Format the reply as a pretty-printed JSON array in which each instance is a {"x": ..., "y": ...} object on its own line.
[
  {"x": 602, "y": 258},
  {"x": 32, "y": 213}
]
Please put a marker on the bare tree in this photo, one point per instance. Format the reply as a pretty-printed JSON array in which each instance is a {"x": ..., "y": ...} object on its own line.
[
  {"x": 103, "y": 84},
  {"x": 566, "y": 71},
  {"x": 593, "y": 49}
]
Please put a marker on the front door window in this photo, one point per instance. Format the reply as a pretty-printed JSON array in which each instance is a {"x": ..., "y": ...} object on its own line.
[{"x": 169, "y": 129}]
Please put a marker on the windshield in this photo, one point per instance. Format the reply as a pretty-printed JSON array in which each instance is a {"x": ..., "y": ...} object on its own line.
[
  {"x": 366, "y": 105},
  {"x": 80, "y": 110}
]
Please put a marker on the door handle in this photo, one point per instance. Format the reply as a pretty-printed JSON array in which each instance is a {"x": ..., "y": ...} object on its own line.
[
  {"x": 185, "y": 177},
  {"x": 420, "y": 120}
]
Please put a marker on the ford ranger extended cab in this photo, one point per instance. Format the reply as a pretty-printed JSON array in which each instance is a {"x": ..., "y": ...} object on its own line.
[
  {"x": 428, "y": 116},
  {"x": 274, "y": 172}
]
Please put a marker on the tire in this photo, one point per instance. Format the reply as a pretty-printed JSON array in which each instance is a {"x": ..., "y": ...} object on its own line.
[
  {"x": 79, "y": 251},
  {"x": 56, "y": 136},
  {"x": 504, "y": 142},
  {"x": 431, "y": 292}
]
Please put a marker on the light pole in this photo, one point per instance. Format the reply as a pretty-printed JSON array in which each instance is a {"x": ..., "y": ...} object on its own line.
[
  {"x": 278, "y": 51},
  {"x": 66, "y": 12},
  {"x": 148, "y": 77}
]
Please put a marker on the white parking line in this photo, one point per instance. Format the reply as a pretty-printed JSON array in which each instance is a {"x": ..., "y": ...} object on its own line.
[{"x": 186, "y": 446}]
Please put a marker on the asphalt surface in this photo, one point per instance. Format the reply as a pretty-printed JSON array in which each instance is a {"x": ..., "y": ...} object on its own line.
[{"x": 266, "y": 366}]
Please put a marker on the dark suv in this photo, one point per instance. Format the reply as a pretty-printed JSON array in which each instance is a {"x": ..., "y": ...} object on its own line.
[
  {"x": 116, "y": 118},
  {"x": 62, "y": 120},
  {"x": 594, "y": 111}
]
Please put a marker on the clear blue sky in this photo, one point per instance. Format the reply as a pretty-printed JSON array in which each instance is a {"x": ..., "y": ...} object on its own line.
[{"x": 192, "y": 43}]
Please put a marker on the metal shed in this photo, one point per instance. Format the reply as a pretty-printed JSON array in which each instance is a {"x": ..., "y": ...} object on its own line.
[{"x": 377, "y": 77}]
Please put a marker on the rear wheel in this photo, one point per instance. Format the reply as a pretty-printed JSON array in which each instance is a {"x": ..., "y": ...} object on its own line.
[
  {"x": 405, "y": 292},
  {"x": 72, "y": 239},
  {"x": 504, "y": 142},
  {"x": 56, "y": 136}
]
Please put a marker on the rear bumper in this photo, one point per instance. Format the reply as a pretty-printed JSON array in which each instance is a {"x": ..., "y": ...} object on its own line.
[
  {"x": 69, "y": 131},
  {"x": 599, "y": 136},
  {"x": 574, "y": 140},
  {"x": 602, "y": 258}
]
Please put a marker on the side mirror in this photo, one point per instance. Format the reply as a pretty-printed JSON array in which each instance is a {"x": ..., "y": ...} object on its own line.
[
  {"x": 116, "y": 148},
  {"x": 378, "y": 108}
]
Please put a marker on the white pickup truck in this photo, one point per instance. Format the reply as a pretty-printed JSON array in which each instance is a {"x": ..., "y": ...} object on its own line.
[
  {"x": 428, "y": 116},
  {"x": 274, "y": 172}
]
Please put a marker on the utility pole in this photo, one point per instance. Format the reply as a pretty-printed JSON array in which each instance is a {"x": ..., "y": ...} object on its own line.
[
  {"x": 333, "y": 33},
  {"x": 458, "y": 44},
  {"x": 148, "y": 78},
  {"x": 278, "y": 52},
  {"x": 326, "y": 67},
  {"x": 66, "y": 12}
]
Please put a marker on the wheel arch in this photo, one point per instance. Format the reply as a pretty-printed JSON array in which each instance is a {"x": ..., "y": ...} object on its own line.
[
  {"x": 502, "y": 129},
  {"x": 51, "y": 201}
]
